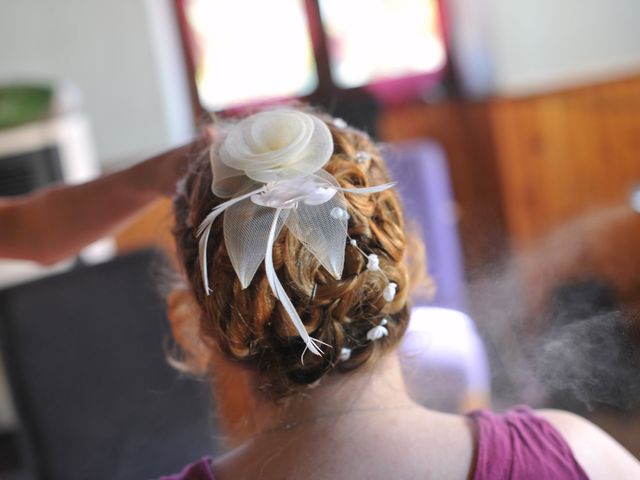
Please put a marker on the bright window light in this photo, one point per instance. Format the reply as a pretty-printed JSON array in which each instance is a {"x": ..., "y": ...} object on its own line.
[
  {"x": 376, "y": 40},
  {"x": 250, "y": 51}
]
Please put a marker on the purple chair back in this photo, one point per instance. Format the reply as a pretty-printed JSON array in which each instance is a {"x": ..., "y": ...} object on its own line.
[{"x": 421, "y": 170}]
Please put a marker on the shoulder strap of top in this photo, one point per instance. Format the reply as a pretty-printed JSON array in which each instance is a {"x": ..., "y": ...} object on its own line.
[{"x": 521, "y": 445}]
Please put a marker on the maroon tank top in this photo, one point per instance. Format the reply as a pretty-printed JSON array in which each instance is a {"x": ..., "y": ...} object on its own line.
[
  {"x": 517, "y": 445},
  {"x": 520, "y": 445}
]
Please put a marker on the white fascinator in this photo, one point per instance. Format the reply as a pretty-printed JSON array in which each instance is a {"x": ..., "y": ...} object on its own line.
[{"x": 270, "y": 166}]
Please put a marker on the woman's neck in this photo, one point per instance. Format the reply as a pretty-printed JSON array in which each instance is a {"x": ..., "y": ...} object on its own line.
[
  {"x": 350, "y": 423},
  {"x": 379, "y": 387}
]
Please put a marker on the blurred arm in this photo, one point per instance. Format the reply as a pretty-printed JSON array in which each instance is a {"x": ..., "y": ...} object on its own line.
[{"x": 55, "y": 223}]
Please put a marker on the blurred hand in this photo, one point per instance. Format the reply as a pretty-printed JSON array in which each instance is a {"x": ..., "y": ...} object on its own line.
[{"x": 160, "y": 174}]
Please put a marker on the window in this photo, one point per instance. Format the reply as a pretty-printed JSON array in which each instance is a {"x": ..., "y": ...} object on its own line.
[
  {"x": 376, "y": 40},
  {"x": 248, "y": 51},
  {"x": 245, "y": 52}
]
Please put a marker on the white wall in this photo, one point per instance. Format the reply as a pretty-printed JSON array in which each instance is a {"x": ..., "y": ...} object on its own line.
[
  {"x": 124, "y": 56},
  {"x": 534, "y": 46},
  {"x": 472, "y": 45}
]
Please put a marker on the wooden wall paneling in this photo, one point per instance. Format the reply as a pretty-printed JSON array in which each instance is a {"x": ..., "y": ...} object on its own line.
[
  {"x": 566, "y": 162},
  {"x": 564, "y": 154}
]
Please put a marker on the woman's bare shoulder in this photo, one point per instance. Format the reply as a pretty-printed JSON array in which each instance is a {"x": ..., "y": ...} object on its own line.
[{"x": 596, "y": 451}]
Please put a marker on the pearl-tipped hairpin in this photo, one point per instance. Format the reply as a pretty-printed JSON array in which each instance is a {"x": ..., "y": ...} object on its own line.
[
  {"x": 339, "y": 123},
  {"x": 339, "y": 213},
  {"x": 345, "y": 354},
  {"x": 379, "y": 331},
  {"x": 373, "y": 265},
  {"x": 362, "y": 156},
  {"x": 373, "y": 262},
  {"x": 390, "y": 291}
]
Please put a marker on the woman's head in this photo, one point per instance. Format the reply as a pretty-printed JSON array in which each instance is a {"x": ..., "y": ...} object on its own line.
[{"x": 250, "y": 326}]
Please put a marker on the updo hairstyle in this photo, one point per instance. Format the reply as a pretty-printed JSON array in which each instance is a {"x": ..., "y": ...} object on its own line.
[{"x": 250, "y": 327}]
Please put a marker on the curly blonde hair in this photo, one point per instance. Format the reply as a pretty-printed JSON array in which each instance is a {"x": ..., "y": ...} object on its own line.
[{"x": 250, "y": 326}]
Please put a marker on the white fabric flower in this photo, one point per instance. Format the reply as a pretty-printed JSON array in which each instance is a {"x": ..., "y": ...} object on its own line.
[{"x": 270, "y": 146}]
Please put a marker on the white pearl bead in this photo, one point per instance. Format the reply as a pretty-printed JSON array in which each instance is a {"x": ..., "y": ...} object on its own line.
[
  {"x": 339, "y": 213},
  {"x": 362, "y": 157},
  {"x": 390, "y": 291},
  {"x": 345, "y": 354},
  {"x": 376, "y": 333},
  {"x": 373, "y": 263},
  {"x": 339, "y": 123}
]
